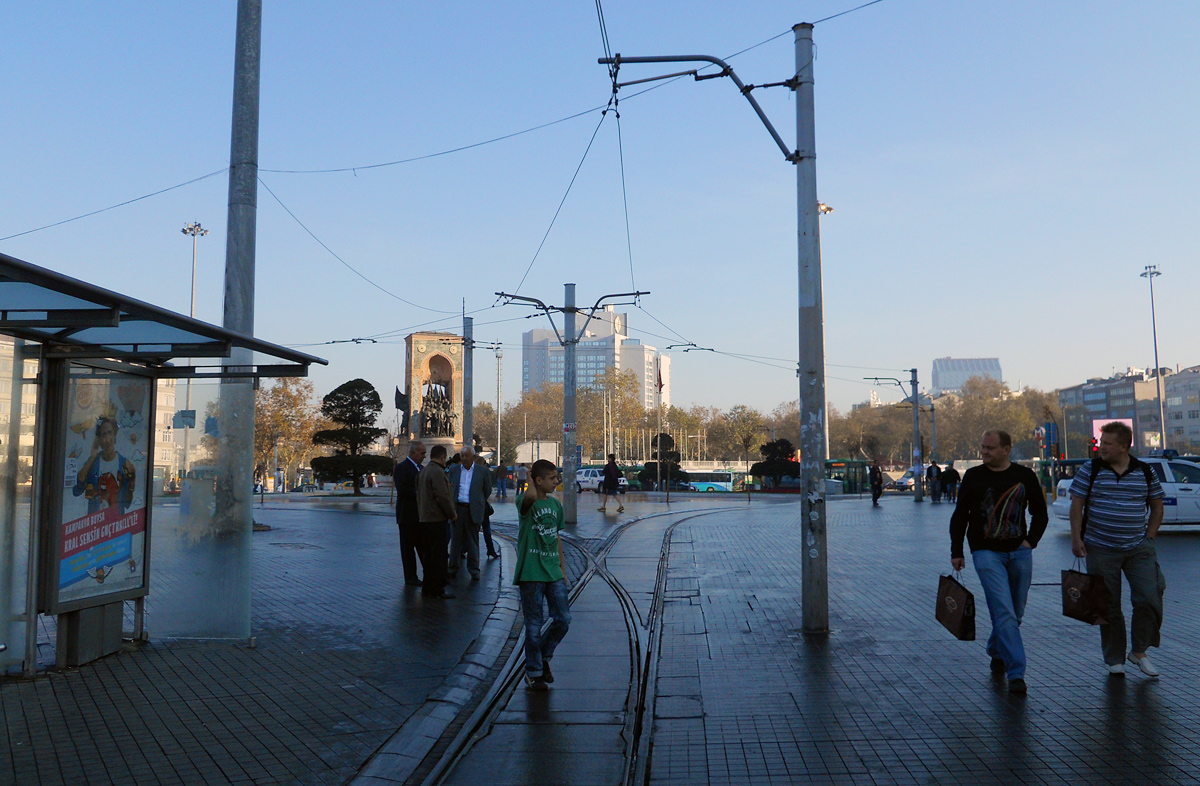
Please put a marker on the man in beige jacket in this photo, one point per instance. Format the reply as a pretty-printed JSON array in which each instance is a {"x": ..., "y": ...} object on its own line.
[{"x": 435, "y": 506}]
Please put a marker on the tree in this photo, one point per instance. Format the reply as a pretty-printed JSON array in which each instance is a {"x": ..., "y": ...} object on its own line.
[
  {"x": 285, "y": 418},
  {"x": 663, "y": 449},
  {"x": 354, "y": 406},
  {"x": 746, "y": 426},
  {"x": 779, "y": 459}
]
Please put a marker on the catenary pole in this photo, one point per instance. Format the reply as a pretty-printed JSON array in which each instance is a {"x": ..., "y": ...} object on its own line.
[
  {"x": 814, "y": 578},
  {"x": 568, "y": 339},
  {"x": 468, "y": 400},
  {"x": 917, "y": 462},
  {"x": 235, "y": 457},
  {"x": 571, "y": 340}
]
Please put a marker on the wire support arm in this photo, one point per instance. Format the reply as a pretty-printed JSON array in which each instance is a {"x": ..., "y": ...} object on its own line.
[{"x": 726, "y": 70}]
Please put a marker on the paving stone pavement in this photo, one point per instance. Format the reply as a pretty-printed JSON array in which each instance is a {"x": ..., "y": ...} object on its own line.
[
  {"x": 344, "y": 655},
  {"x": 889, "y": 697}
]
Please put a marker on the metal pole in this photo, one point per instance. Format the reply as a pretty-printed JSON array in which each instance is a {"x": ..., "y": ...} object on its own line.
[
  {"x": 499, "y": 354},
  {"x": 815, "y": 576},
  {"x": 932, "y": 430},
  {"x": 235, "y": 463},
  {"x": 468, "y": 400},
  {"x": 570, "y": 337},
  {"x": 917, "y": 463},
  {"x": 1151, "y": 273},
  {"x": 194, "y": 229}
]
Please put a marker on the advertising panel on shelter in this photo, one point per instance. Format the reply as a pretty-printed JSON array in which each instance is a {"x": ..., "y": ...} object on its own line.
[{"x": 102, "y": 543}]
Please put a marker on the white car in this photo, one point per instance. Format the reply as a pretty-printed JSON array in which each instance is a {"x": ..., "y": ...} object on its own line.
[
  {"x": 1181, "y": 491},
  {"x": 592, "y": 479}
]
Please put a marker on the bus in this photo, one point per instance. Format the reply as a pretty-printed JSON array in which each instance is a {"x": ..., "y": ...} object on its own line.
[{"x": 711, "y": 481}]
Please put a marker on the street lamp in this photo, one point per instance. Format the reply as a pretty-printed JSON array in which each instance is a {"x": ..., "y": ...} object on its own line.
[
  {"x": 195, "y": 230},
  {"x": 1151, "y": 273}
]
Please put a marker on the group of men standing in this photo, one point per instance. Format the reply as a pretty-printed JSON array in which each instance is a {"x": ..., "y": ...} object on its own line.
[
  {"x": 1116, "y": 510},
  {"x": 436, "y": 508}
]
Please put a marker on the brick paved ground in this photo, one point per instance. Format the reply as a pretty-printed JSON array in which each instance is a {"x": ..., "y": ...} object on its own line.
[
  {"x": 889, "y": 697},
  {"x": 344, "y": 655}
]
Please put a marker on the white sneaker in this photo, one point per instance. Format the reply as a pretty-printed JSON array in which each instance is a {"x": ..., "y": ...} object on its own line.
[
  {"x": 1145, "y": 665},
  {"x": 1117, "y": 668}
]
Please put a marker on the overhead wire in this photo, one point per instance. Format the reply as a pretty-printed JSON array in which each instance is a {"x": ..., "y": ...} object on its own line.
[
  {"x": 119, "y": 204},
  {"x": 348, "y": 266},
  {"x": 562, "y": 201},
  {"x": 843, "y": 13}
]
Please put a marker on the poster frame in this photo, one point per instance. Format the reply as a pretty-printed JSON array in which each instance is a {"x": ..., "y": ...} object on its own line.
[{"x": 58, "y": 378}]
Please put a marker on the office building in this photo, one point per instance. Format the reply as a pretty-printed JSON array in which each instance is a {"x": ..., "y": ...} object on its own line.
[
  {"x": 950, "y": 374},
  {"x": 605, "y": 344}
]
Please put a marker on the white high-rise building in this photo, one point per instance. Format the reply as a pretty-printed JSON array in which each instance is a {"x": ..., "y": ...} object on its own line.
[{"x": 604, "y": 345}]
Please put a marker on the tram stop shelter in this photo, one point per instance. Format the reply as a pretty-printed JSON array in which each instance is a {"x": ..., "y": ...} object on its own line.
[{"x": 93, "y": 487}]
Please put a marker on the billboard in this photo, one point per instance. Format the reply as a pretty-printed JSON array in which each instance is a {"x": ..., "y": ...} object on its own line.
[
  {"x": 101, "y": 542},
  {"x": 1097, "y": 424}
]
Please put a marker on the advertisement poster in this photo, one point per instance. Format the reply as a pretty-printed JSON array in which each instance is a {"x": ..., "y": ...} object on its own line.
[{"x": 103, "y": 544}]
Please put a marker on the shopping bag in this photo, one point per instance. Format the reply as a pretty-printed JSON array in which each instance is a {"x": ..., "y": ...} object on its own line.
[
  {"x": 1085, "y": 597},
  {"x": 956, "y": 608}
]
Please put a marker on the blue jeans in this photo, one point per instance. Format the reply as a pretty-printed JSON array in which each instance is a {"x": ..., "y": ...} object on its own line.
[
  {"x": 540, "y": 646},
  {"x": 1005, "y": 576}
]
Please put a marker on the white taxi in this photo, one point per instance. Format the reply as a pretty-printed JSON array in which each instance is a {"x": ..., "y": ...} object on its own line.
[{"x": 1181, "y": 489}]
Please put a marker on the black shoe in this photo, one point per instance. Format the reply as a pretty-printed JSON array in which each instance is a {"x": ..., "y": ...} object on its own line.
[
  {"x": 1017, "y": 686},
  {"x": 535, "y": 683},
  {"x": 493, "y": 555},
  {"x": 474, "y": 577},
  {"x": 413, "y": 583},
  {"x": 998, "y": 666},
  {"x": 547, "y": 677}
]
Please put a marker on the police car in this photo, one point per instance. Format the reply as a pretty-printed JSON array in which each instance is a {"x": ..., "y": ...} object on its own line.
[{"x": 1180, "y": 480}]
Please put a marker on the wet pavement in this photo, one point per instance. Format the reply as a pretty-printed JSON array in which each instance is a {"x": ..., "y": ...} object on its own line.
[{"x": 356, "y": 678}]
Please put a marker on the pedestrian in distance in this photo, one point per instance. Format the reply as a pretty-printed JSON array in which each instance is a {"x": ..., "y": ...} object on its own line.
[
  {"x": 501, "y": 480},
  {"x": 482, "y": 466},
  {"x": 522, "y": 473},
  {"x": 408, "y": 518},
  {"x": 435, "y": 507},
  {"x": 611, "y": 484},
  {"x": 875, "y": 477},
  {"x": 541, "y": 573},
  {"x": 991, "y": 510},
  {"x": 1116, "y": 510},
  {"x": 950, "y": 479},
  {"x": 933, "y": 481},
  {"x": 471, "y": 486}
]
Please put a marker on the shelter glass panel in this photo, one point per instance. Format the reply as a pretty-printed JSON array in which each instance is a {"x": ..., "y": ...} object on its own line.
[{"x": 18, "y": 405}]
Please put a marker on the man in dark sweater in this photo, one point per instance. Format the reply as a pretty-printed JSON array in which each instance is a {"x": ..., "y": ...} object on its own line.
[{"x": 991, "y": 509}]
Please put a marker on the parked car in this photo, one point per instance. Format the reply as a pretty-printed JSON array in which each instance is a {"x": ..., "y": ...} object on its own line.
[
  {"x": 902, "y": 483},
  {"x": 592, "y": 479},
  {"x": 1180, "y": 480}
]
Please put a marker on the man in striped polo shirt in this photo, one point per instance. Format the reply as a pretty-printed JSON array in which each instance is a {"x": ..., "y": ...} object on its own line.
[{"x": 1120, "y": 537}]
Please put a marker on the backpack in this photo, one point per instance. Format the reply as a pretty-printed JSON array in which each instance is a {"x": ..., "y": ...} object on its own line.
[{"x": 1096, "y": 462}]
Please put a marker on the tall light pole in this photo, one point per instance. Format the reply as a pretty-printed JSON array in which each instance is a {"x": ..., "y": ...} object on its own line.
[
  {"x": 195, "y": 230},
  {"x": 1151, "y": 273}
]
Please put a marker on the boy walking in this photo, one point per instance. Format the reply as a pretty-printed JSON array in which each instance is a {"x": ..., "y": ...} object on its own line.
[{"x": 541, "y": 573}]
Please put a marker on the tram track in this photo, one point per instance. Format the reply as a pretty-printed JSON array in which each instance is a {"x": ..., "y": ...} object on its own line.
[{"x": 643, "y": 636}]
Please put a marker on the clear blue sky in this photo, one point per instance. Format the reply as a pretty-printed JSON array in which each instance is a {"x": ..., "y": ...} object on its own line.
[{"x": 1000, "y": 175}]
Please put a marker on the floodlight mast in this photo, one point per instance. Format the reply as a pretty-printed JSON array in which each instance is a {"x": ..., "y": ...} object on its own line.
[{"x": 811, "y": 367}]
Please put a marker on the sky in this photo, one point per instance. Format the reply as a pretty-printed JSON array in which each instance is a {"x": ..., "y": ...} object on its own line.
[{"x": 1000, "y": 176}]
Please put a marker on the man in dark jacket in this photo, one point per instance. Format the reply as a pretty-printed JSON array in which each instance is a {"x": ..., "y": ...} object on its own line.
[
  {"x": 991, "y": 513},
  {"x": 407, "y": 518}
]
